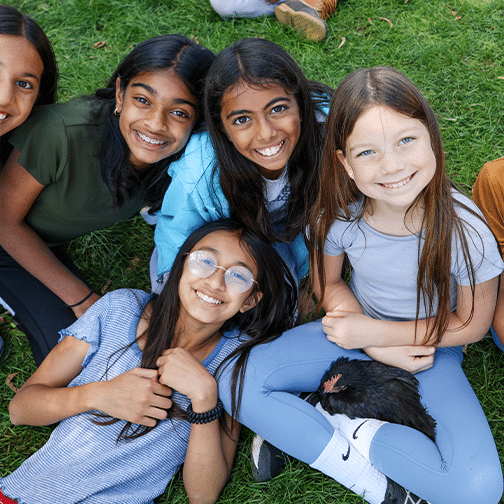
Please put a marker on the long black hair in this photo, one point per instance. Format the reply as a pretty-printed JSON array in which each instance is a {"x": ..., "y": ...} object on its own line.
[
  {"x": 190, "y": 62},
  {"x": 12, "y": 22},
  {"x": 267, "y": 320},
  {"x": 259, "y": 62}
]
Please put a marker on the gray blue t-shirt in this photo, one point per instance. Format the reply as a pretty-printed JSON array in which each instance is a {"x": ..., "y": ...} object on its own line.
[
  {"x": 384, "y": 276},
  {"x": 83, "y": 462}
]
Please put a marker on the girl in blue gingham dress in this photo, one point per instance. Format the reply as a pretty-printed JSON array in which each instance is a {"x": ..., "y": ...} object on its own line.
[{"x": 123, "y": 376}]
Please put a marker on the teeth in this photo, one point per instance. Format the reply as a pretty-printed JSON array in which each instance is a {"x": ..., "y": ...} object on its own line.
[
  {"x": 150, "y": 140},
  {"x": 208, "y": 299},
  {"x": 2, "y": 116},
  {"x": 271, "y": 151},
  {"x": 397, "y": 184}
]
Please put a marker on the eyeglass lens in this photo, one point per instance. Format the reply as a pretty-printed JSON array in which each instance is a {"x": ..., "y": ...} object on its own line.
[{"x": 203, "y": 264}]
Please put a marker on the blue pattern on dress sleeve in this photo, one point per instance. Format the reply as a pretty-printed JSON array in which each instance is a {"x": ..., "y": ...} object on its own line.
[{"x": 88, "y": 327}]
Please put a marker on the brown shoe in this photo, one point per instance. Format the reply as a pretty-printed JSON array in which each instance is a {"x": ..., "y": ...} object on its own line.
[
  {"x": 324, "y": 8},
  {"x": 306, "y": 16},
  {"x": 303, "y": 18}
]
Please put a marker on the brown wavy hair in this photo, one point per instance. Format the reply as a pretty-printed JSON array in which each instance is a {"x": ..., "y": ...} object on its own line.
[{"x": 388, "y": 87}]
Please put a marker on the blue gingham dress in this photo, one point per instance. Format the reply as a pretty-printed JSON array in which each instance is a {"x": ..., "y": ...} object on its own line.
[{"x": 83, "y": 462}]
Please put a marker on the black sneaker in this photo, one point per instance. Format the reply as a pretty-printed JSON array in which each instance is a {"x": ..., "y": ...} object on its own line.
[
  {"x": 396, "y": 494},
  {"x": 267, "y": 461}
]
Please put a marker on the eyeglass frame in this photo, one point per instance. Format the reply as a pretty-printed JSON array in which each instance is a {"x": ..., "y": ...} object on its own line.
[{"x": 227, "y": 272}]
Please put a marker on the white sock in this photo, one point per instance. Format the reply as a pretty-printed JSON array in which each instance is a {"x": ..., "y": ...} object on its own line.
[
  {"x": 359, "y": 431},
  {"x": 347, "y": 466}
]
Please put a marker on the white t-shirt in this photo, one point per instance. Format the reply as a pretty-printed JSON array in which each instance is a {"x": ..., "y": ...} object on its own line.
[{"x": 277, "y": 194}]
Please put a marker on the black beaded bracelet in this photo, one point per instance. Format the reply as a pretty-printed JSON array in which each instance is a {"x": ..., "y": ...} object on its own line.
[
  {"x": 208, "y": 416},
  {"x": 82, "y": 301}
]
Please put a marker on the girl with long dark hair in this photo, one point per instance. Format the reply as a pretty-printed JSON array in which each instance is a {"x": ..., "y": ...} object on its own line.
[
  {"x": 28, "y": 75},
  {"x": 28, "y": 71},
  {"x": 259, "y": 160},
  {"x": 132, "y": 381},
  {"x": 83, "y": 165}
]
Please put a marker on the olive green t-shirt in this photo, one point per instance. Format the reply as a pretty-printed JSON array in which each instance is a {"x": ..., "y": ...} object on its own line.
[
  {"x": 5, "y": 149},
  {"x": 59, "y": 147}
]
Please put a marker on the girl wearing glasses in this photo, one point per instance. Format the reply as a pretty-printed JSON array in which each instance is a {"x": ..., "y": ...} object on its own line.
[{"x": 132, "y": 381}]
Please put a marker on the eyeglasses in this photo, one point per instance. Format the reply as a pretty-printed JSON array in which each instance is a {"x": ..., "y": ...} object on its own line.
[{"x": 203, "y": 264}]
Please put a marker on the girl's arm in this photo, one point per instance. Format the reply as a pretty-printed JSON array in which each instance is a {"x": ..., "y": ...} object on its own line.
[
  {"x": 352, "y": 329},
  {"x": 408, "y": 357},
  {"x": 211, "y": 451},
  {"x": 193, "y": 198},
  {"x": 337, "y": 295},
  {"x": 45, "y": 399},
  {"x": 18, "y": 192},
  {"x": 209, "y": 459}
]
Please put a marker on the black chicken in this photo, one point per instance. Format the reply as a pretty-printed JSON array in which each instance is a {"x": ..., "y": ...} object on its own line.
[{"x": 370, "y": 389}]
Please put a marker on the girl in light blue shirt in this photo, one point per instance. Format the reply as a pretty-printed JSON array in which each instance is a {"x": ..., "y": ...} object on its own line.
[{"x": 258, "y": 162}]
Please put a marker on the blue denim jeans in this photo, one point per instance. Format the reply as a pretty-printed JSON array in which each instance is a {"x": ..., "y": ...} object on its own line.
[{"x": 243, "y": 8}]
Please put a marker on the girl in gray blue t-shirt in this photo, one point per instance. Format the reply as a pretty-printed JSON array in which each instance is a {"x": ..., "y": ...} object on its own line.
[{"x": 424, "y": 278}]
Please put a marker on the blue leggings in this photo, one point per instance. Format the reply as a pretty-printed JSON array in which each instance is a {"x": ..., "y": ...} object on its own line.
[
  {"x": 496, "y": 339},
  {"x": 463, "y": 467}
]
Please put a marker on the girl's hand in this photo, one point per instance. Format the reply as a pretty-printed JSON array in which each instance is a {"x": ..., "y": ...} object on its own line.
[
  {"x": 410, "y": 358},
  {"x": 181, "y": 371},
  {"x": 135, "y": 396},
  {"x": 349, "y": 330},
  {"x": 45, "y": 399}
]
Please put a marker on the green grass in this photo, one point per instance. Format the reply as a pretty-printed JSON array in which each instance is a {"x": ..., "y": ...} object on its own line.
[{"x": 452, "y": 50}]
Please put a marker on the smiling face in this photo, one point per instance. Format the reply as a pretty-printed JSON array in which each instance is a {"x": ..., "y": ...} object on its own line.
[
  {"x": 208, "y": 300},
  {"x": 263, "y": 123},
  {"x": 390, "y": 158},
  {"x": 157, "y": 114},
  {"x": 20, "y": 73}
]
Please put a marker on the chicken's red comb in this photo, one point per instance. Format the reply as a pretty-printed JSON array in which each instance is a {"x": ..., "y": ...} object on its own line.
[{"x": 329, "y": 384}]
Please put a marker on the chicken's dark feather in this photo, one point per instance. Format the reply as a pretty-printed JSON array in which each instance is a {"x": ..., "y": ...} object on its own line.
[{"x": 371, "y": 389}]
